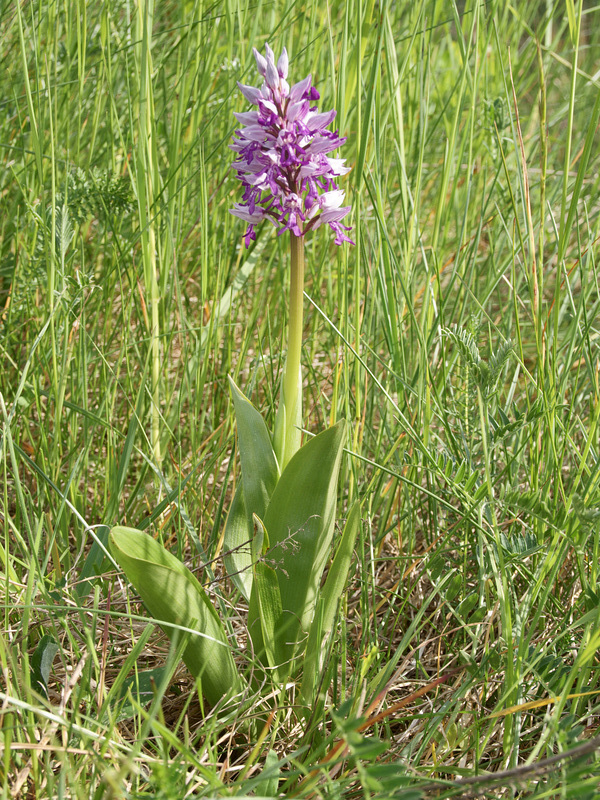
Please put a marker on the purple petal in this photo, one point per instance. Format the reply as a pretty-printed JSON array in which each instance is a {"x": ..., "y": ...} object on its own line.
[
  {"x": 321, "y": 144},
  {"x": 255, "y": 133},
  {"x": 272, "y": 76},
  {"x": 249, "y": 236},
  {"x": 310, "y": 169},
  {"x": 282, "y": 64},
  {"x": 251, "y": 94},
  {"x": 246, "y": 117},
  {"x": 340, "y": 236},
  {"x": 297, "y": 111},
  {"x": 243, "y": 213},
  {"x": 245, "y": 169},
  {"x": 298, "y": 90},
  {"x": 261, "y": 63},
  {"x": 270, "y": 54},
  {"x": 315, "y": 122},
  {"x": 267, "y": 107},
  {"x": 335, "y": 214}
]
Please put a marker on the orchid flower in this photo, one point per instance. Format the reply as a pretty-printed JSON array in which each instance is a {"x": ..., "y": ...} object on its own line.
[{"x": 283, "y": 164}]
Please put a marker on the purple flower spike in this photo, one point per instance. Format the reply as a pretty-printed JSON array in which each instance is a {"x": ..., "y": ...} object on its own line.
[{"x": 282, "y": 156}]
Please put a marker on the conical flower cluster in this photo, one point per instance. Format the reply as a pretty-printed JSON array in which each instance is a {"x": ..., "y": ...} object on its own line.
[{"x": 283, "y": 164}]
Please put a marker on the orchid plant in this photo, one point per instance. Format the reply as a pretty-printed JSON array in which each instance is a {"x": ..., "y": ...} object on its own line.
[
  {"x": 279, "y": 531},
  {"x": 289, "y": 179}
]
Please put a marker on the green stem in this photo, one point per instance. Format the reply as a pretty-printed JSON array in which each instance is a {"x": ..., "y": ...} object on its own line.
[{"x": 292, "y": 379}]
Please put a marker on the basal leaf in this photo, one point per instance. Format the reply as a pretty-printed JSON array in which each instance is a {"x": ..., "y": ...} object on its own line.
[
  {"x": 299, "y": 521},
  {"x": 268, "y": 598},
  {"x": 175, "y": 599},
  {"x": 259, "y": 465},
  {"x": 142, "y": 686},
  {"x": 331, "y": 592},
  {"x": 259, "y": 477}
]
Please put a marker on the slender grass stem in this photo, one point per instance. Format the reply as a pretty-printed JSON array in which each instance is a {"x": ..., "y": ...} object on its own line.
[{"x": 146, "y": 186}]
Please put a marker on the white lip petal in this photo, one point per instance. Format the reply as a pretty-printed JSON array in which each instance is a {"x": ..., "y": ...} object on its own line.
[
  {"x": 336, "y": 165},
  {"x": 332, "y": 200}
]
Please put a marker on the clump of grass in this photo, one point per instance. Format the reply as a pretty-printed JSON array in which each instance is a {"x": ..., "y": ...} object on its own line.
[{"x": 459, "y": 337}]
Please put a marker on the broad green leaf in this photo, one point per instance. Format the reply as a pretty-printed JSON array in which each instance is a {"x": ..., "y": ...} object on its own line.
[
  {"x": 335, "y": 583},
  {"x": 175, "y": 599},
  {"x": 299, "y": 521},
  {"x": 268, "y": 598},
  {"x": 259, "y": 477},
  {"x": 256, "y": 643},
  {"x": 312, "y": 659},
  {"x": 259, "y": 465}
]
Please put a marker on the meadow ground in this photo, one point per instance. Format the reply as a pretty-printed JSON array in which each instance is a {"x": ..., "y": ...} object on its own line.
[{"x": 457, "y": 338}]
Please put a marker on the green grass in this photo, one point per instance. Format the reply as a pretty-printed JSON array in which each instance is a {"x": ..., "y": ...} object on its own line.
[{"x": 458, "y": 337}]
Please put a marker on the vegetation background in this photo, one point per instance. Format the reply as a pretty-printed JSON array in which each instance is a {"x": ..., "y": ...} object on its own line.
[{"x": 458, "y": 337}]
